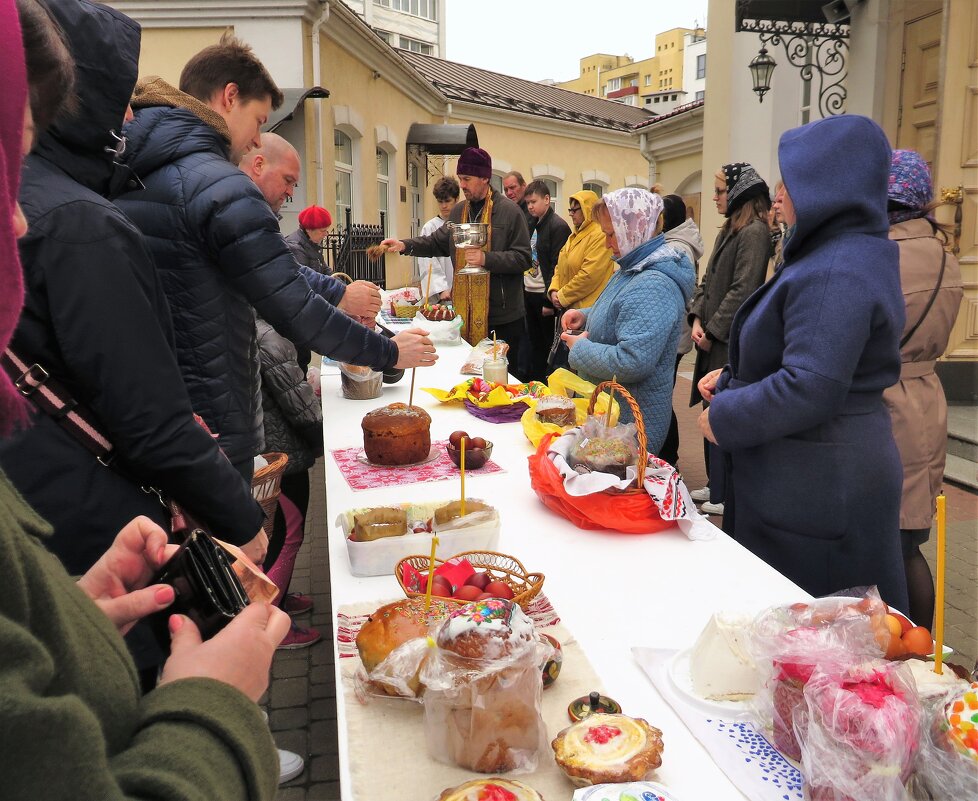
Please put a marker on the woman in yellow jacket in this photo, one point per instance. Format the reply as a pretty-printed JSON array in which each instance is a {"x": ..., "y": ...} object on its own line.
[{"x": 584, "y": 265}]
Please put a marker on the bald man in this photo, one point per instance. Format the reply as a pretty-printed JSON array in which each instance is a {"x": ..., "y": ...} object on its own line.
[{"x": 275, "y": 167}]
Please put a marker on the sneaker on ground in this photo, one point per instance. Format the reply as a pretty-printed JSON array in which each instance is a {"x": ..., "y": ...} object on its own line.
[
  {"x": 711, "y": 508},
  {"x": 300, "y": 637},
  {"x": 702, "y": 494},
  {"x": 296, "y": 603},
  {"x": 290, "y": 765}
]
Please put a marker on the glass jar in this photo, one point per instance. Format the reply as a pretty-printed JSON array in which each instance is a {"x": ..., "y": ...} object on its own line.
[{"x": 496, "y": 371}]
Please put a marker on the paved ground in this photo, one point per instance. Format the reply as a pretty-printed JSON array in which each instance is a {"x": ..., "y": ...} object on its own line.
[{"x": 302, "y": 698}]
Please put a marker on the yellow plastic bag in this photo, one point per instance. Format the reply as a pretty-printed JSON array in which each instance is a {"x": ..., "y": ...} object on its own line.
[
  {"x": 485, "y": 395},
  {"x": 564, "y": 382}
]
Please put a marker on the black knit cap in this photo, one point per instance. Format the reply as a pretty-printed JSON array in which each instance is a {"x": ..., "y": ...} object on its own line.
[
  {"x": 743, "y": 184},
  {"x": 673, "y": 212}
]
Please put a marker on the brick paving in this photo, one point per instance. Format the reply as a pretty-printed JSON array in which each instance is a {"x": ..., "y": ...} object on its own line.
[{"x": 302, "y": 697}]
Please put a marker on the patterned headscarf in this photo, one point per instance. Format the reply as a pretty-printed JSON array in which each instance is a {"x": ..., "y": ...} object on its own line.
[
  {"x": 634, "y": 215},
  {"x": 910, "y": 186},
  {"x": 743, "y": 184},
  {"x": 13, "y": 100}
]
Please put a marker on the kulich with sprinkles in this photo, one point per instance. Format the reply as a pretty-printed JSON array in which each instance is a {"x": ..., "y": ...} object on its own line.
[
  {"x": 961, "y": 721},
  {"x": 393, "y": 625}
]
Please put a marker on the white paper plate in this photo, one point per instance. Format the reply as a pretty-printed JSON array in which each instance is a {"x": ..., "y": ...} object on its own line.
[
  {"x": 634, "y": 791},
  {"x": 682, "y": 682},
  {"x": 432, "y": 455}
]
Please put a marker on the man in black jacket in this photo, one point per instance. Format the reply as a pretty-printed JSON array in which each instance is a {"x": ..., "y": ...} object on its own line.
[
  {"x": 96, "y": 319},
  {"x": 218, "y": 249},
  {"x": 547, "y": 237},
  {"x": 507, "y": 256}
]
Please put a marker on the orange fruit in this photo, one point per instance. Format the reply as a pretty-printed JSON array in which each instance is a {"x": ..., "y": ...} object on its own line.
[
  {"x": 919, "y": 641},
  {"x": 895, "y": 648},
  {"x": 894, "y": 626},
  {"x": 904, "y": 623}
]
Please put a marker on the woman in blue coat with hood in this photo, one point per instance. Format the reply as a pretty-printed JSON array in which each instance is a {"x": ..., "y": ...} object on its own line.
[
  {"x": 633, "y": 328},
  {"x": 816, "y": 471}
]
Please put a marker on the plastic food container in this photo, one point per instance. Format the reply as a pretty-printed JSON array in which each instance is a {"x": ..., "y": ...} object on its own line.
[{"x": 380, "y": 557}]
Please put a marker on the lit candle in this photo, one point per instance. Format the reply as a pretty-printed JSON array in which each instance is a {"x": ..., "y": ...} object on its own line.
[
  {"x": 431, "y": 573},
  {"x": 939, "y": 584},
  {"x": 461, "y": 467}
]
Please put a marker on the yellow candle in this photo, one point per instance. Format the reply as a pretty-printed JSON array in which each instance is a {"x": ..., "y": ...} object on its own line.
[
  {"x": 939, "y": 584},
  {"x": 495, "y": 352},
  {"x": 431, "y": 573},
  {"x": 427, "y": 289},
  {"x": 611, "y": 397},
  {"x": 461, "y": 467}
]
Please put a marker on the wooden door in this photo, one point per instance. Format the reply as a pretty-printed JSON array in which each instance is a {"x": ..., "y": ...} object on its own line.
[
  {"x": 956, "y": 171},
  {"x": 916, "y": 126}
]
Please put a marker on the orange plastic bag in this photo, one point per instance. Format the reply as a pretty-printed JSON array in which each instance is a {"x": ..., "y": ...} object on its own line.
[{"x": 629, "y": 513}]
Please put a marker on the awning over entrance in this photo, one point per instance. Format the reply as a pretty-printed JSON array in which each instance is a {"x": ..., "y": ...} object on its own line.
[
  {"x": 813, "y": 12},
  {"x": 294, "y": 98},
  {"x": 442, "y": 140}
]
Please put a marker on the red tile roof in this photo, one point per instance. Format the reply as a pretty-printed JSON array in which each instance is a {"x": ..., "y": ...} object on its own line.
[{"x": 466, "y": 84}]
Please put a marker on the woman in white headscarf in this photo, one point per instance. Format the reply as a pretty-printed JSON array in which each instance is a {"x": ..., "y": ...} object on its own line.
[{"x": 632, "y": 330}]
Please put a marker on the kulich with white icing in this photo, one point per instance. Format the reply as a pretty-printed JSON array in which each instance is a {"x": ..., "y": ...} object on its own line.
[
  {"x": 720, "y": 666},
  {"x": 488, "y": 629},
  {"x": 609, "y": 749},
  {"x": 494, "y": 789}
]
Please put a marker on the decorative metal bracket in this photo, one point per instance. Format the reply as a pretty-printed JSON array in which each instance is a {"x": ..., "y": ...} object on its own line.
[{"x": 814, "y": 48}]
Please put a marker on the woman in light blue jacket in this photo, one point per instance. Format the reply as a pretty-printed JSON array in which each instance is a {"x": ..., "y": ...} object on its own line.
[{"x": 633, "y": 328}]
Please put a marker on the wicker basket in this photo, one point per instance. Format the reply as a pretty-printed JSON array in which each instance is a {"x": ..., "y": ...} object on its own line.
[
  {"x": 508, "y": 569},
  {"x": 406, "y": 311},
  {"x": 643, "y": 440},
  {"x": 267, "y": 481}
]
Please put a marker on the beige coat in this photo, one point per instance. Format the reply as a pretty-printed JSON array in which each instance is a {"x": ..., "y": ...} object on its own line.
[{"x": 916, "y": 402}]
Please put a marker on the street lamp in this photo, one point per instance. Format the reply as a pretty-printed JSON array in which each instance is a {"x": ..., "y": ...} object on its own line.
[{"x": 761, "y": 68}]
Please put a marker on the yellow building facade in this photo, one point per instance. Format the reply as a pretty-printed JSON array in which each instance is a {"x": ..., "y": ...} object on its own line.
[{"x": 625, "y": 80}]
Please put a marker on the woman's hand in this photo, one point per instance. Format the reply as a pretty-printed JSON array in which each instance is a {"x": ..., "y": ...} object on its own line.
[
  {"x": 256, "y": 548},
  {"x": 573, "y": 320},
  {"x": 699, "y": 336},
  {"x": 117, "y": 581},
  {"x": 555, "y": 299},
  {"x": 240, "y": 654},
  {"x": 571, "y": 340},
  {"x": 704, "y": 421},
  {"x": 708, "y": 383}
]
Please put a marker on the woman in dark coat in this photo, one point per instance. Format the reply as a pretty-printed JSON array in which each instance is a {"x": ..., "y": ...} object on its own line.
[
  {"x": 736, "y": 268},
  {"x": 306, "y": 243},
  {"x": 816, "y": 472}
]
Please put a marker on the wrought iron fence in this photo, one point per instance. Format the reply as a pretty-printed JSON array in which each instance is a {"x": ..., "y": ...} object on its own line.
[{"x": 345, "y": 250}]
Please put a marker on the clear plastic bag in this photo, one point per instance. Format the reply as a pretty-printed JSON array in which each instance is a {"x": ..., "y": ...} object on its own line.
[
  {"x": 397, "y": 676},
  {"x": 485, "y": 714},
  {"x": 788, "y": 643},
  {"x": 482, "y": 350},
  {"x": 859, "y": 732},
  {"x": 440, "y": 331},
  {"x": 360, "y": 383},
  {"x": 604, "y": 449},
  {"x": 944, "y": 768}
]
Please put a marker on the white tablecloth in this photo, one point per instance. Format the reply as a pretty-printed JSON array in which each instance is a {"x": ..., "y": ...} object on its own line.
[{"x": 613, "y": 591}]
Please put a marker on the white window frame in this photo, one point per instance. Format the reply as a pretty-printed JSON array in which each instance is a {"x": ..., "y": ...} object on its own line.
[
  {"x": 346, "y": 168},
  {"x": 384, "y": 191}
]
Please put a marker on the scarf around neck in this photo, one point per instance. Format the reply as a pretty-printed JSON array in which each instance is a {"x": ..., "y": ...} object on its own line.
[{"x": 13, "y": 101}]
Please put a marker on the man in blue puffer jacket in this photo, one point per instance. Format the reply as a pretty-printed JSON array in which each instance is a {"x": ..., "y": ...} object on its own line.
[{"x": 218, "y": 249}]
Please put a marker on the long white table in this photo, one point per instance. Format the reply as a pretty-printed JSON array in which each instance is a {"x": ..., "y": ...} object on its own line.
[{"x": 613, "y": 591}]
